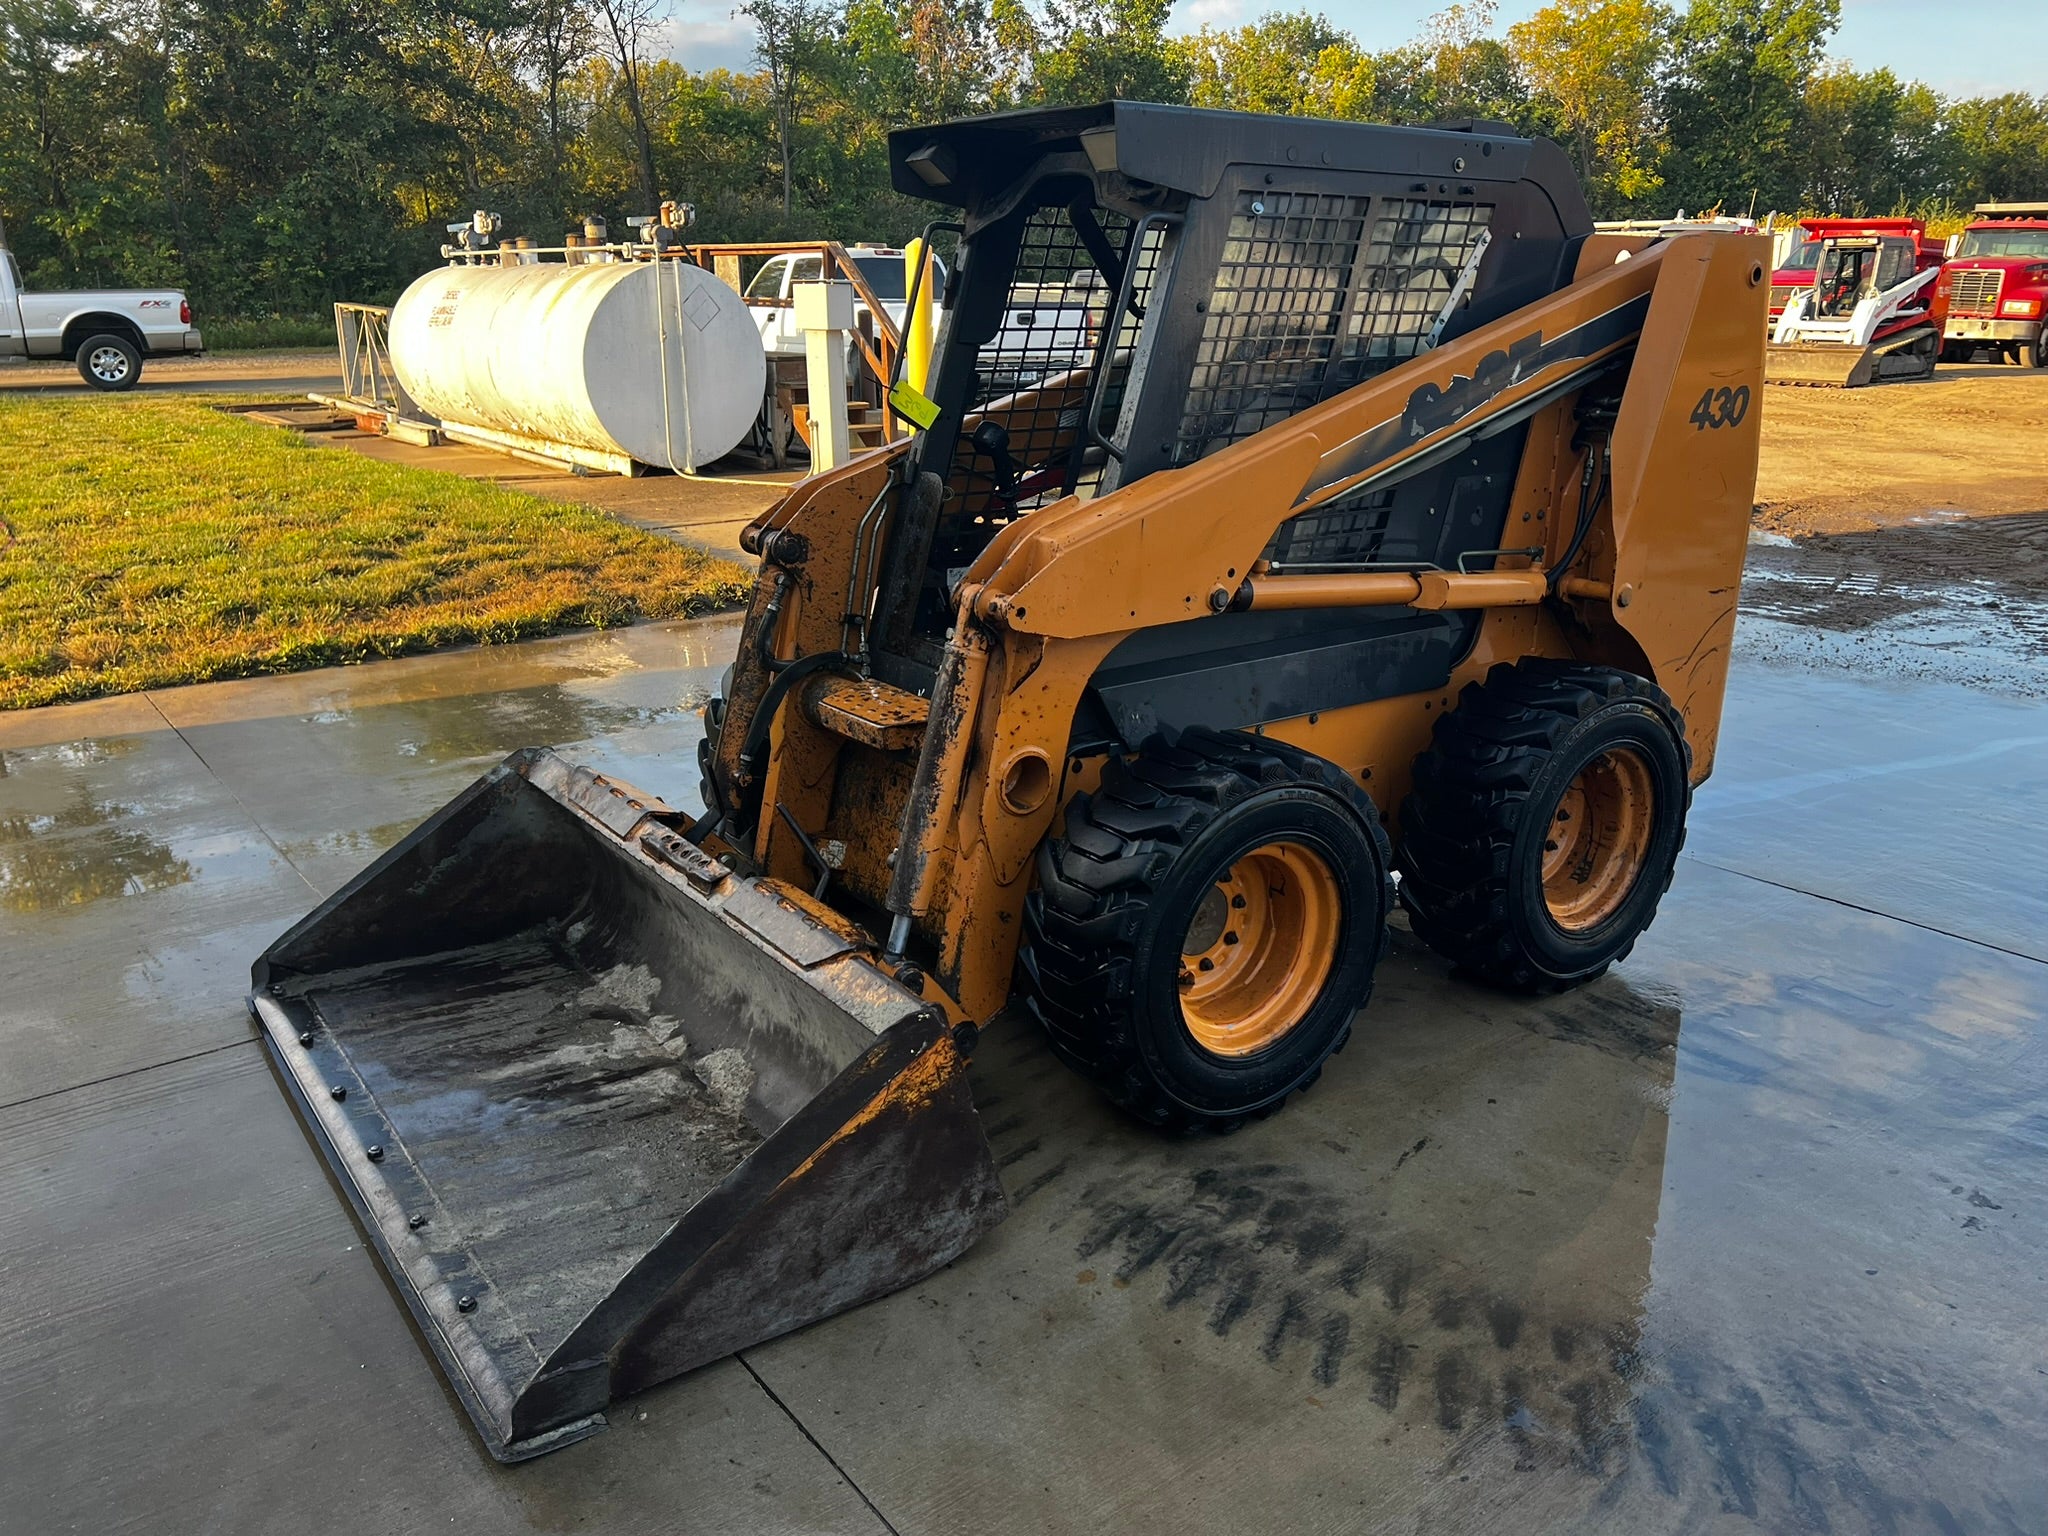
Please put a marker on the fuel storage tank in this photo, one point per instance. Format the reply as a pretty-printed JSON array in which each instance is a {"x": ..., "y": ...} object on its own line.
[{"x": 657, "y": 362}]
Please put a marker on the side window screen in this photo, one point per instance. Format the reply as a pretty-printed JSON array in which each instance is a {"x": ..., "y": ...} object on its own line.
[
  {"x": 1314, "y": 293},
  {"x": 1344, "y": 531},
  {"x": 1033, "y": 376},
  {"x": 1417, "y": 251},
  {"x": 1276, "y": 315}
]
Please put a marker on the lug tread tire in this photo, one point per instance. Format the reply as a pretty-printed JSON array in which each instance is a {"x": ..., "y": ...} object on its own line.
[
  {"x": 1471, "y": 790},
  {"x": 1078, "y": 964}
]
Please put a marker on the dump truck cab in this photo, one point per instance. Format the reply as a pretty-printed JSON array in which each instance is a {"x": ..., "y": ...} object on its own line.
[
  {"x": 1995, "y": 288},
  {"x": 1794, "y": 275},
  {"x": 1356, "y": 508}
]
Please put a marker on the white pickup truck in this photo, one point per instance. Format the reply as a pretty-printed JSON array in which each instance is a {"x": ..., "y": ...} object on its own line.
[
  {"x": 107, "y": 333},
  {"x": 770, "y": 295}
]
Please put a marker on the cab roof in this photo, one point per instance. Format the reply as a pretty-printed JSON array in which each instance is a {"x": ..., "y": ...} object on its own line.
[{"x": 972, "y": 161}]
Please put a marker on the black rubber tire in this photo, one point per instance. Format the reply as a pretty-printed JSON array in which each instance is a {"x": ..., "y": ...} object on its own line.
[
  {"x": 2032, "y": 354},
  {"x": 1472, "y": 827},
  {"x": 123, "y": 375},
  {"x": 1103, "y": 929}
]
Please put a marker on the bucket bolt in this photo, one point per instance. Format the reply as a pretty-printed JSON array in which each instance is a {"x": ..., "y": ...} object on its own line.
[
  {"x": 466, "y": 1304},
  {"x": 337, "y": 1093},
  {"x": 375, "y": 1154},
  {"x": 415, "y": 1222},
  {"x": 305, "y": 1037}
]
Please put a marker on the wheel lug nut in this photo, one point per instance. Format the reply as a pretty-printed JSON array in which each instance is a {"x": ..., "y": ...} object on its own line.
[
  {"x": 1237, "y": 901},
  {"x": 1550, "y": 846},
  {"x": 1208, "y": 964},
  {"x": 1230, "y": 938}
]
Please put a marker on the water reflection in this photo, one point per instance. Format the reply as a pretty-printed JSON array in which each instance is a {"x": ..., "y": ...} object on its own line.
[
  {"x": 1451, "y": 1232},
  {"x": 84, "y": 849}
]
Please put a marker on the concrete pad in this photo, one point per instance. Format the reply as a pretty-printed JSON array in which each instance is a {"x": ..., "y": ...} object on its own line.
[
  {"x": 55, "y": 725},
  {"x": 142, "y": 872},
  {"x": 338, "y": 765},
  {"x": 708, "y": 510},
  {"x": 132, "y": 889},
  {"x": 192, "y": 1337},
  {"x": 1916, "y": 800},
  {"x": 1742, "y": 1237},
  {"x": 1690, "y": 1248}
]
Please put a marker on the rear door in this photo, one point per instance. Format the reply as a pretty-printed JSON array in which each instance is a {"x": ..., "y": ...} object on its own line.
[{"x": 766, "y": 296}]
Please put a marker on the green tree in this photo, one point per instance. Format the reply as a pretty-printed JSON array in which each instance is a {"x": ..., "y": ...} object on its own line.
[
  {"x": 1293, "y": 62},
  {"x": 1735, "y": 100},
  {"x": 1101, "y": 50},
  {"x": 795, "y": 38},
  {"x": 2000, "y": 148},
  {"x": 1871, "y": 143},
  {"x": 1595, "y": 64}
]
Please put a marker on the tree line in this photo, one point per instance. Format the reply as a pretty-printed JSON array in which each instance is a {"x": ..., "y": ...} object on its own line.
[{"x": 274, "y": 155}]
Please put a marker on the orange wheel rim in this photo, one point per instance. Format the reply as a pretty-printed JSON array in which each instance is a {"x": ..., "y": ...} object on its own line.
[
  {"x": 1598, "y": 837},
  {"x": 1258, "y": 949}
]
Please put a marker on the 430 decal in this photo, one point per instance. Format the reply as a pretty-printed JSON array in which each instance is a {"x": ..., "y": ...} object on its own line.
[{"x": 1720, "y": 408}]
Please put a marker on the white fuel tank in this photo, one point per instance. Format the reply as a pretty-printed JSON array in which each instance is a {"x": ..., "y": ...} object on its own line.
[{"x": 657, "y": 362}]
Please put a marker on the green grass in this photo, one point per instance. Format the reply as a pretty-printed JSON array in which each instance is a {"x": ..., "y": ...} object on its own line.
[
  {"x": 267, "y": 333},
  {"x": 145, "y": 542}
]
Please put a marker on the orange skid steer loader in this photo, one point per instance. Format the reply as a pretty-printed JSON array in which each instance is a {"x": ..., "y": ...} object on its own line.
[{"x": 1374, "y": 534}]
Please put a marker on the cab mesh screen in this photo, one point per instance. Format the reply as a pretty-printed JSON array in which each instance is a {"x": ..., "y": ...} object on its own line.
[
  {"x": 1032, "y": 377},
  {"x": 1315, "y": 292}
]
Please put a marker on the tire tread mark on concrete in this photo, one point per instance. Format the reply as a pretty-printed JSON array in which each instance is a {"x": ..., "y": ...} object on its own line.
[
  {"x": 1018, "y": 1154},
  {"x": 1387, "y": 1364},
  {"x": 1056, "y": 1171},
  {"x": 1291, "y": 1318},
  {"x": 1331, "y": 1348}
]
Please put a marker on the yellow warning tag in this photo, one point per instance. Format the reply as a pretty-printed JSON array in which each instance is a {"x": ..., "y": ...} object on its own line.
[{"x": 911, "y": 404}]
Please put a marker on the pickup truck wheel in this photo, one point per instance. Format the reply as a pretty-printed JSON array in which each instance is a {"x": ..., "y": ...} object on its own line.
[{"x": 109, "y": 362}]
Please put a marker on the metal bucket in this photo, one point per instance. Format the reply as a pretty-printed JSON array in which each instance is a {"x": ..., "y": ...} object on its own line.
[
  {"x": 607, "y": 1110},
  {"x": 1837, "y": 365}
]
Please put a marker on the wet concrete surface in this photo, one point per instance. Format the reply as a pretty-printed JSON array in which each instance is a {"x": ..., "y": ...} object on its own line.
[{"x": 1744, "y": 1237}]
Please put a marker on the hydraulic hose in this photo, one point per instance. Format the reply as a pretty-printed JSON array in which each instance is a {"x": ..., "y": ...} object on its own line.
[{"x": 1589, "y": 508}]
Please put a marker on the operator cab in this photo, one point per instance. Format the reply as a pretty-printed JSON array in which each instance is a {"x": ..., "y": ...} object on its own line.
[
  {"x": 1137, "y": 287},
  {"x": 1854, "y": 268}
]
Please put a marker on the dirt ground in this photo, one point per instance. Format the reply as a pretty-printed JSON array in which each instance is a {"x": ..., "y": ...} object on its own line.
[{"x": 1970, "y": 442}]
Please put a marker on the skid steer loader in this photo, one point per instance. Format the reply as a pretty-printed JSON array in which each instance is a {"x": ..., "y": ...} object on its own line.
[
  {"x": 1872, "y": 315},
  {"x": 1378, "y": 521}
]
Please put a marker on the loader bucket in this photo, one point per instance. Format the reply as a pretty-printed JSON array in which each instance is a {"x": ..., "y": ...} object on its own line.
[
  {"x": 1818, "y": 363},
  {"x": 1894, "y": 360},
  {"x": 606, "y": 1110}
]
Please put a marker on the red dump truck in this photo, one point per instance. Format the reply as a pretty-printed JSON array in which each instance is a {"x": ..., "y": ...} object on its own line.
[{"x": 1996, "y": 286}]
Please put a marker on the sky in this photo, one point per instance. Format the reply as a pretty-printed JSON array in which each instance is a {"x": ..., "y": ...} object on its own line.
[{"x": 1915, "y": 39}]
